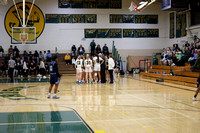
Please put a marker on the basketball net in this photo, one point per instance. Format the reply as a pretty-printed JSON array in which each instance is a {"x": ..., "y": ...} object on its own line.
[
  {"x": 24, "y": 22},
  {"x": 142, "y": 6}
]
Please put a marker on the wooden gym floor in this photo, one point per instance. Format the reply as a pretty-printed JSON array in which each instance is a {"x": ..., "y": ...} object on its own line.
[{"x": 132, "y": 105}]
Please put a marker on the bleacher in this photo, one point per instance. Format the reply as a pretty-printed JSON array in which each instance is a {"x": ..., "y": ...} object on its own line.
[
  {"x": 183, "y": 75},
  {"x": 63, "y": 68}
]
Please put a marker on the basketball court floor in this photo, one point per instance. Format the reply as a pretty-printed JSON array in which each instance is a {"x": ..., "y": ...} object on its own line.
[{"x": 131, "y": 105}]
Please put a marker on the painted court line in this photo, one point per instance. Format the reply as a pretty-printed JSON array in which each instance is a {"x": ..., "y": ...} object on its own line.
[
  {"x": 27, "y": 123},
  {"x": 158, "y": 118},
  {"x": 150, "y": 130},
  {"x": 141, "y": 99}
]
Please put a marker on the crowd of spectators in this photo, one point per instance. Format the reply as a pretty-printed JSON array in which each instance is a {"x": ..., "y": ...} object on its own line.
[
  {"x": 25, "y": 64},
  {"x": 95, "y": 50},
  {"x": 176, "y": 56}
]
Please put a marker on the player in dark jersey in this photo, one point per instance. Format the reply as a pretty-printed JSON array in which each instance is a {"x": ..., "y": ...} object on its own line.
[
  {"x": 198, "y": 89},
  {"x": 54, "y": 77}
]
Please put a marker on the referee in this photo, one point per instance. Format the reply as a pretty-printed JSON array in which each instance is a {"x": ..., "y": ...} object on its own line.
[{"x": 11, "y": 67}]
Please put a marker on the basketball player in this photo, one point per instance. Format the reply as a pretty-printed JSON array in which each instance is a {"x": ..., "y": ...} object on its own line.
[
  {"x": 198, "y": 89},
  {"x": 55, "y": 77},
  {"x": 106, "y": 66},
  {"x": 78, "y": 66},
  {"x": 88, "y": 68},
  {"x": 83, "y": 69},
  {"x": 98, "y": 61}
]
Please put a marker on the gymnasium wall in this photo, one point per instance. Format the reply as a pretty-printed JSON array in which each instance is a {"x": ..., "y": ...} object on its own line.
[{"x": 63, "y": 36}]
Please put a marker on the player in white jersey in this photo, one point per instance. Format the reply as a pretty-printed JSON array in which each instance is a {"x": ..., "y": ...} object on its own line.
[
  {"x": 88, "y": 68},
  {"x": 83, "y": 69},
  {"x": 97, "y": 67},
  {"x": 78, "y": 66}
]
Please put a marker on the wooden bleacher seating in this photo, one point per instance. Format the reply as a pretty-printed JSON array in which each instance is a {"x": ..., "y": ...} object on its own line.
[{"x": 183, "y": 75}]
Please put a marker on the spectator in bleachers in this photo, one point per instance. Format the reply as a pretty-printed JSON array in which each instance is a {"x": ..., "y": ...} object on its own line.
[
  {"x": 6, "y": 59},
  {"x": 41, "y": 56},
  {"x": 196, "y": 39},
  {"x": 67, "y": 59},
  {"x": 105, "y": 50},
  {"x": 98, "y": 49},
  {"x": 198, "y": 45},
  {"x": 49, "y": 56},
  {"x": 74, "y": 50},
  {"x": 197, "y": 63},
  {"x": 2, "y": 69},
  {"x": 168, "y": 50},
  {"x": 193, "y": 59},
  {"x": 32, "y": 68},
  {"x": 1, "y": 51},
  {"x": 187, "y": 44},
  {"x": 45, "y": 56},
  {"x": 164, "y": 57},
  {"x": 47, "y": 68},
  {"x": 36, "y": 54},
  {"x": 25, "y": 55},
  {"x": 81, "y": 50},
  {"x": 33, "y": 60},
  {"x": 178, "y": 54},
  {"x": 73, "y": 61},
  {"x": 10, "y": 50},
  {"x": 17, "y": 67},
  {"x": 192, "y": 46},
  {"x": 178, "y": 57},
  {"x": 25, "y": 68},
  {"x": 92, "y": 45},
  {"x": 177, "y": 47},
  {"x": 30, "y": 56},
  {"x": 16, "y": 52}
]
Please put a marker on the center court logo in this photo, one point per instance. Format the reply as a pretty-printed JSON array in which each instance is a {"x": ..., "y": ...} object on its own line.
[
  {"x": 14, "y": 93},
  {"x": 36, "y": 18}
]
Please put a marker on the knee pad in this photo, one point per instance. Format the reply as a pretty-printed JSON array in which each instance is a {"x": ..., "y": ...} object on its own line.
[{"x": 95, "y": 74}]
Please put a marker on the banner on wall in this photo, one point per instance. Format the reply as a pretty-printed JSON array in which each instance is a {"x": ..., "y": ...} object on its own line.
[
  {"x": 119, "y": 33},
  {"x": 71, "y": 18},
  {"x": 101, "y": 4},
  {"x": 181, "y": 25},
  {"x": 127, "y": 18},
  {"x": 171, "y": 25}
]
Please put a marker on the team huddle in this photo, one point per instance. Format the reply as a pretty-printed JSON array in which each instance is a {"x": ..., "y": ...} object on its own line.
[{"x": 88, "y": 70}]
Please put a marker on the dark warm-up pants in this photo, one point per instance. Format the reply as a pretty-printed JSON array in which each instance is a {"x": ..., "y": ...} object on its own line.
[
  {"x": 10, "y": 73},
  {"x": 111, "y": 75}
]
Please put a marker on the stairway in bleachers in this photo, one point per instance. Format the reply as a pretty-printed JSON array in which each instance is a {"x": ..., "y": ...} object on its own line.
[
  {"x": 63, "y": 68},
  {"x": 183, "y": 75}
]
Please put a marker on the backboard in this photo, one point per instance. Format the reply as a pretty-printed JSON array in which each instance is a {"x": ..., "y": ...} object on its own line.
[{"x": 24, "y": 35}]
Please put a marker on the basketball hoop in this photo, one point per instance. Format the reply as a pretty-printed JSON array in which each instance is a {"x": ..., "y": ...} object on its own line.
[
  {"x": 24, "y": 39},
  {"x": 142, "y": 6}
]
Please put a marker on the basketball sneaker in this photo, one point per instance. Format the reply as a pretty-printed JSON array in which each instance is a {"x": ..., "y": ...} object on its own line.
[
  {"x": 195, "y": 99},
  {"x": 56, "y": 97},
  {"x": 49, "y": 96}
]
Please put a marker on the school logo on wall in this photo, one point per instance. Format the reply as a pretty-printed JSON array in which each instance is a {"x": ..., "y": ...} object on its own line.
[{"x": 36, "y": 18}]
